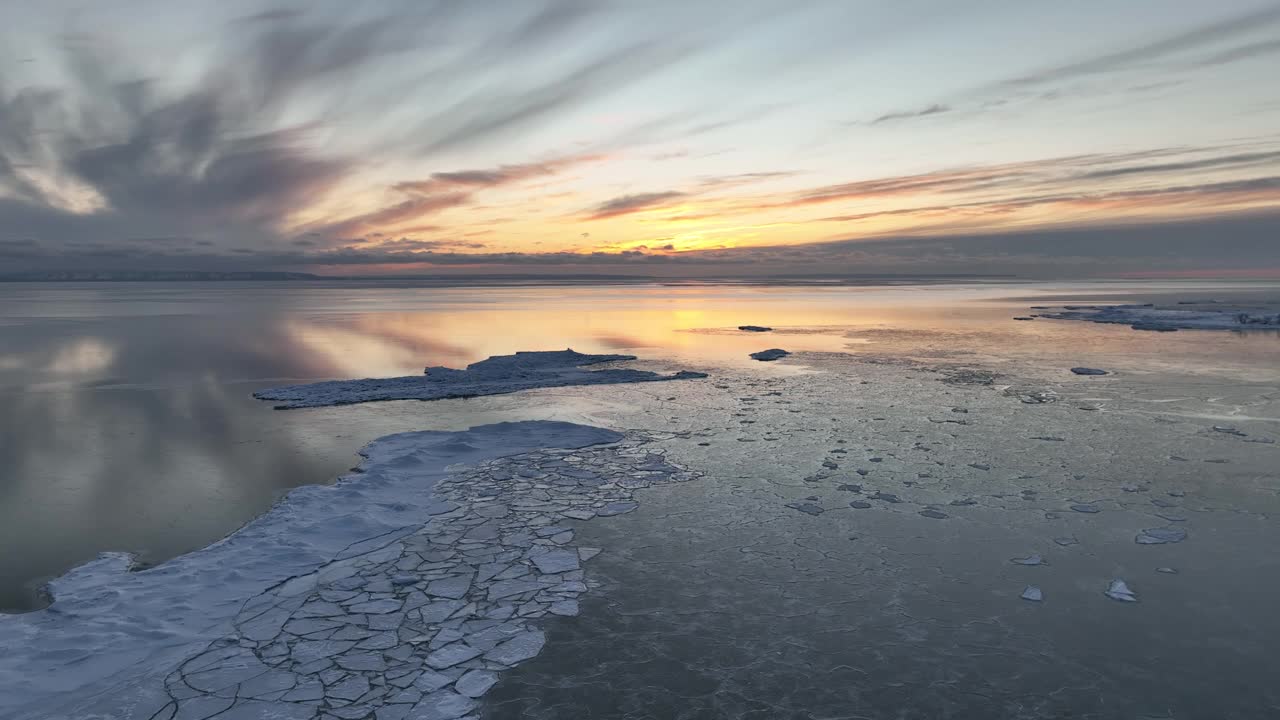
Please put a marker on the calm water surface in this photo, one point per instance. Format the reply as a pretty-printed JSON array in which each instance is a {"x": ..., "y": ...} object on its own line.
[{"x": 126, "y": 421}]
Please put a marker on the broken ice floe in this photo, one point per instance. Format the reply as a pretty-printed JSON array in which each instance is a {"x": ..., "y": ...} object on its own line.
[
  {"x": 1118, "y": 590},
  {"x": 399, "y": 592},
  {"x": 1032, "y": 593},
  {"x": 770, "y": 354},
  {"x": 1186, "y": 316},
  {"x": 1088, "y": 371},
  {"x": 1160, "y": 536},
  {"x": 497, "y": 375}
]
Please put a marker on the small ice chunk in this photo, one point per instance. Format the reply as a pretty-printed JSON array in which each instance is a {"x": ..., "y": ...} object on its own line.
[
  {"x": 556, "y": 561},
  {"x": 1118, "y": 590},
  {"x": 443, "y": 705},
  {"x": 617, "y": 508},
  {"x": 1167, "y": 570},
  {"x": 1066, "y": 541},
  {"x": 1032, "y": 593},
  {"x": 518, "y": 648},
  {"x": 1160, "y": 536},
  {"x": 1088, "y": 371},
  {"x": 1032, "y": 559},
  {"x": 454, "y": 588},
  {"x": 377, "y": 607},
  {"x": 476, "y": 683},
  {"x": 936, "y": 515},
  {"x": 450, "y": 655},
  {"x": 1083, "y": 508},
  {"x": 770, "y": 354},
  {"x": 806, "y": 508}
]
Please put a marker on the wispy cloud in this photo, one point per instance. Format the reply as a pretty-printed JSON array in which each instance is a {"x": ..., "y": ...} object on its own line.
[
  {"x": 1190, "y": 40},
  {"x": 627, "y": 204},
  {"x": 934, "y": 109},
  {"x": 442, "y": 191}
]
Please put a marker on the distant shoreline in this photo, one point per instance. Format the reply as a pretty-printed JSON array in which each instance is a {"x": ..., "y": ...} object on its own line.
[{"x": 514, "y": 280}]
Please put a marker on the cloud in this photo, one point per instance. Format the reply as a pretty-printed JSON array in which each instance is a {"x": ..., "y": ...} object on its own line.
[
  {"x": 627, "y": 204},
  {"x": 236, "y": 149},
  {"x": 934, "y": 109},
  {"x": 1209, "y": 163},
  {"x": 1194, "y": 39},
  {"x": 1170, "y": 197},
  {"x": 1061, "y": 81},
  {"x": 442, "y": 191},
  {"x": 1073, "y": 176},
  {"x": 502, "y": 175},
  {"x": 728, "y": 181},
  {"x": 1241, "y": 52}
]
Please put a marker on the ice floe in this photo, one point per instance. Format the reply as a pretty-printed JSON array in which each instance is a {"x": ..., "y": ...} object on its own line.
[
  {"x": 1184, "y": 316},
  {"x": 1088, "y": 371},
  {"x": 770, "y": 354},
  {"x": 1119, "y": 590},
  {"x": 1160, "y": 536},
  {"x": 401, "y": 591},
  {"x": 497, "y": 375}
]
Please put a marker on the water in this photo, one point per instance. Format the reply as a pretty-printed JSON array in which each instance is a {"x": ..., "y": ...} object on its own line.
[{"x": 127, "y": 423}]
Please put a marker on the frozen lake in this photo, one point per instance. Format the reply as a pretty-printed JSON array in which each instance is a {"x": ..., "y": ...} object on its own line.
[
  {"x": 128, "y": 423},
  {"x": 922, "y": 508}
]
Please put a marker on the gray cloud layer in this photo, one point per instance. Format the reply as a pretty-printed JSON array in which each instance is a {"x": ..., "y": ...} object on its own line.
[{"x": 1075, "y": 252}]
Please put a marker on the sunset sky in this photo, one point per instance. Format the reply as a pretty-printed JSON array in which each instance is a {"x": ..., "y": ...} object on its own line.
[{"x": 664, "y": 138}]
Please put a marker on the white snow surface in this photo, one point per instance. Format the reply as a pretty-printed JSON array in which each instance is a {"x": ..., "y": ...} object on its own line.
[
  {"x": 497, "y": 375},
  {"x": 110, "y": 632}
]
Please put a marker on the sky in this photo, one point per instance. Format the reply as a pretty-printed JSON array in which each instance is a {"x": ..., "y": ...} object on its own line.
[{"x": 663, "y": 137}]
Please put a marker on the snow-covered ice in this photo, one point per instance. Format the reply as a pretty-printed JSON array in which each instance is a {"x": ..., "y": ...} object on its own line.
[
  {"x": 1119, "y": 590},
  {"x": 376, "y": 592},
  {"x": 497, "y": 375},
  {"x": 1183, "y": 316}
]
